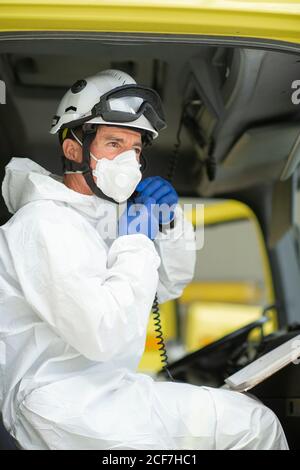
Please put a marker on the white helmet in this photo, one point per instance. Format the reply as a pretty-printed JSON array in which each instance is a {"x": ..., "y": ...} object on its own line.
[{"x": 110, "y": 97}]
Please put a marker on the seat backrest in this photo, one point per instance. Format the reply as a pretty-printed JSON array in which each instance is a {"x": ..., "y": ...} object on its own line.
[{"x": 7, "y": 442}]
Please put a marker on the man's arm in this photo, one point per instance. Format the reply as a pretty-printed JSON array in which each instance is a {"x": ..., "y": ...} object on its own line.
[
  {"x": 177, "y": 250},
  {"x": 96, "y": 302},
  {"x": 176, "y": 244}
]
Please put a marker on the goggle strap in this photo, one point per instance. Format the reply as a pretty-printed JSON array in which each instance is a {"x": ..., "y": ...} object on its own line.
[{"x": 151, "y": 108}]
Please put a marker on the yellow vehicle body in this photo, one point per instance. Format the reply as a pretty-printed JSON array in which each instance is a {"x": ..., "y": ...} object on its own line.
[{"x": 265, "y": 19}]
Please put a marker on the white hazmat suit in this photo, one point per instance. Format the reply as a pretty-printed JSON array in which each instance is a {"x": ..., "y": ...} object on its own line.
[{"x": 74, "y": 309}]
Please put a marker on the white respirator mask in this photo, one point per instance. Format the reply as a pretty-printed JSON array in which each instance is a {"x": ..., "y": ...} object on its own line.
[{"x": 119, "y": 177}]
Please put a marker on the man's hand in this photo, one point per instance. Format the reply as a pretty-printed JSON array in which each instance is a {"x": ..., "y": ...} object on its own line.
[
  {"x": 163, "y": 194},
  {"x": 139, "y": 217}
]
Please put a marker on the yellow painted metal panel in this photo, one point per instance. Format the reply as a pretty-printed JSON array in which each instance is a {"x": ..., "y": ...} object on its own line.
[
  {"x": 235, "y": 292},
  {"x": 151, "y": 359},
  {"x": 215, "y": 309},
  {"x": 276, "y": 20},
  {"x": 208, "y": 322},
  {"x": 221, "y": 212},
  {"x": 229, "y": 211}
]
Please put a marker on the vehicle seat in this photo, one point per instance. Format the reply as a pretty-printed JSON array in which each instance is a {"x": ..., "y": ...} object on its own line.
[{"x": 7, "y": 442}]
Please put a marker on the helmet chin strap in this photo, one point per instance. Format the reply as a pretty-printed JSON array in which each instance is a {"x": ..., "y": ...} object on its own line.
[{"x": 84, "y": 166}]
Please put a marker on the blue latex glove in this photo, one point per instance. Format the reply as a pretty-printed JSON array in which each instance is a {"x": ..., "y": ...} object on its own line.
[
  {"x": 163, "y": 193},
  {"x": 139, "y": 217}
]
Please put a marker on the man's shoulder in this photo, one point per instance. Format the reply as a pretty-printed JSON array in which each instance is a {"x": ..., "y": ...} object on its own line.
[{"x": 39, "y": 212}]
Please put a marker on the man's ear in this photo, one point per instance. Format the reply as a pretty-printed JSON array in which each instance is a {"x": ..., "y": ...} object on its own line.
[{"x": 72, "y": 150}]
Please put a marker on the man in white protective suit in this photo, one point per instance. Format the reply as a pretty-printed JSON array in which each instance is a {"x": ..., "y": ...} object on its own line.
[{"x": 77, "y": 282}]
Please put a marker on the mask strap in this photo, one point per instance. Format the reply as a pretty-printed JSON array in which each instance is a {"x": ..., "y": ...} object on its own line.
[
  {"x": 74, "y": 167},
  {"x": 84, "y": 167},
  {"x": 87, "y": 139},
  {"x": 143, "y": 163}
]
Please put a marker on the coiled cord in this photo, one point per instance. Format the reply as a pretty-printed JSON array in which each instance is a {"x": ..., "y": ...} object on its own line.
[
  {"x": 155, "y": 307},
  {"x": 159, "y": 336}
]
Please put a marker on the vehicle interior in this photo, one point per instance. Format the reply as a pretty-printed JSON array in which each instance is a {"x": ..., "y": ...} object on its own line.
[{"x": 230, "y": 108}]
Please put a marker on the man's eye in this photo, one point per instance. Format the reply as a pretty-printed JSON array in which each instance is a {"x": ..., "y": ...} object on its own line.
[{"x": 113, "y": 143}]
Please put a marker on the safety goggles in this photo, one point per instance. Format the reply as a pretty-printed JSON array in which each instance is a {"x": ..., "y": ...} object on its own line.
[{"x": 151, "y": 107}]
